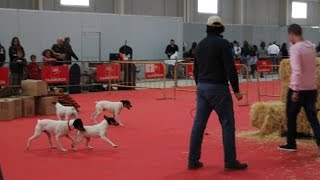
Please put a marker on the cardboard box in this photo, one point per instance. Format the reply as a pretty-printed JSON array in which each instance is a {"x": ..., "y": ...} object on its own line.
[
  {"x": 34, "y": 88},
  {"x": 45, "y": 106},
  {"x": 10, "y": 108},
  {"x": 28, "y": 105}
]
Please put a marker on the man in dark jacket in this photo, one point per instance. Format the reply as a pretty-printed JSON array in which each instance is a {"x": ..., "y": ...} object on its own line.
[
  {"x": 17, "y": 68},
  {"x": 59, "y": 51},
  {"x": 69, "y": 51},
  {"x": 171, "y": 48},
  {"x": 2, "y": 55},
  {"x": 213, "y": 68}
]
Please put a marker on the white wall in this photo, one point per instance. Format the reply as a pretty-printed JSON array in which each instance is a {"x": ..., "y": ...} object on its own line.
[
  {"x": 38, "y": 30},
  {"x": 252, "y": 34}
]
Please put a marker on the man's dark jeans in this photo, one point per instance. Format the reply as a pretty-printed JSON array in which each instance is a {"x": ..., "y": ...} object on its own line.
[
  {"x": 213, "y": 97},
  {"x": 307, "y": 100}
]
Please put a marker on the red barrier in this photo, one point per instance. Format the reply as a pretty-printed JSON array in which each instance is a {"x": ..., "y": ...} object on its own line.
[
  {"x": 55, "y": 74},
  {"x": 153, "y": 71},
  {"x": 4, "y": 76},
  {"x": 264, "y": 66},
  {"x": 189, "y": 70},
  {"x": 108, "y": 72}
]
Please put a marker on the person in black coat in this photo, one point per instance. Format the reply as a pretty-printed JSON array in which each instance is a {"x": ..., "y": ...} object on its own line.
[
  {"x": 69, "y": 51},
  {"x": 128, "y": 69},
  {"x": 59, "y": 52},
  {"x": 17, "y": 68},
  {"x": 171, "y": 48},
  {"x": 192, "y": 51},
  {"x": 14, "y": 48},
  {"x": 2, "y": 55}
]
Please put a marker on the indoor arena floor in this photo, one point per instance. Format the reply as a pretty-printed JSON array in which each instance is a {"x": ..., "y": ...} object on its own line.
[{"x": 153, "y": 145}]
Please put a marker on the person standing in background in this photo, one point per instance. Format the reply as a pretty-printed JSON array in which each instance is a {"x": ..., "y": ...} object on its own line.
[
  {"x": 273, "y": 51},
  {"x": 302, "y": 90},
  {"x": 33, "y": 69},
  {"x": 253, "y": 60},
  {"x": 69, "y": 51},
  {"x": 14, "y": 48},
  {"x": 284, "y": 51},
  {"x": 59, "y": 52},
  {"x": 318, "y": 50},
  {"x": 171, "y": 48},
  {"x": 245, "y": 52},
  {"x": 17, "y": 69},
  {"x": 262, "y": 54},
  {"x": 236, "y": 49},
  {"x": 192, "y": 51},
  {"x": 2, "y": 55},
  {"x": 213, "y": 68}
]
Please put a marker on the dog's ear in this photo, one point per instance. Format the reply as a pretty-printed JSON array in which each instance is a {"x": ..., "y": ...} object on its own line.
[{"x": 78, "y": 124}]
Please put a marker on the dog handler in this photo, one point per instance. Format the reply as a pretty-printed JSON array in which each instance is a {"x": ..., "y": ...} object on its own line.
[
  {"x": 303, "y": 86},
  {"x": 213, "y": 68}
]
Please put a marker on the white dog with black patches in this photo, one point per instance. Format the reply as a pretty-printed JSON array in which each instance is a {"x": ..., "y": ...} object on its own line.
[
  {"x": 56, "y": 128},
  {"x": 113, "y": 107},
  {"x": 65, "y": 111},
  {"x": 96, "y": 131}
]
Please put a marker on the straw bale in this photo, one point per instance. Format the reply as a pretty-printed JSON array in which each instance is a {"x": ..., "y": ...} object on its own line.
[{"x": 270, "y": 118}]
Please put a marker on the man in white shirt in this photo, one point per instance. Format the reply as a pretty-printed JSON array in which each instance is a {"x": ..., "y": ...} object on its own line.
[
  {"x": 237, "y": 49},
  {"x": 273, "y": 51}
]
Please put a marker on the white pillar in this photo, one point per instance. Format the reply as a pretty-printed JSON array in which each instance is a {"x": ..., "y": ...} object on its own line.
[
  {"x": 40, "y": 4},
  {"x": 119, "y": 6}
]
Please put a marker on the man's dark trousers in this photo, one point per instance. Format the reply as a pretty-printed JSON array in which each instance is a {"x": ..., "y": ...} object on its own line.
[
  {"x": 213, "y": 97},
  {"x": 307, "y": 100}
]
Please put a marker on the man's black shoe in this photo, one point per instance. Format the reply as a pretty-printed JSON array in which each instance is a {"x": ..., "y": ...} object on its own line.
[
  {"x": 236, "y": 166},
  {"x": 287, "y": 147},
  {"x": 195, "y": 166}
]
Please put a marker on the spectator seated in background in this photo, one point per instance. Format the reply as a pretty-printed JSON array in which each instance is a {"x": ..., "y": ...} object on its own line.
[
  {"x": 69, "y": 51},
  {"x": 14, "y": 48},
  {"x": 17, "y": 67},
  {"x": 252, "y": 61},
  {"x": 171, "y": 48},
  {"x": 60, "y": 52},
  {"x": 2, "y": 55},
  {"x": 48, "y": 58},
  {"x": 33, "y": 69}
]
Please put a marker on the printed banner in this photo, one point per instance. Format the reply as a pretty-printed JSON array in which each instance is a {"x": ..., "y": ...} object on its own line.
[
  {"x": 4, "y": 76},
  {"x": 153, "y": 71},
  {"x": 108, "y": 72},
  {"x": 264, "y": 66},
  {"x": 55, "y": 74}
]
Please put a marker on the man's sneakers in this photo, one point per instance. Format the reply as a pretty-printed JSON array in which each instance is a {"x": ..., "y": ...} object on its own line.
[
  {"x": 236, "y": 166},
  {"x": 287, "y": 147},
  {"x": 195, "y": 166}
]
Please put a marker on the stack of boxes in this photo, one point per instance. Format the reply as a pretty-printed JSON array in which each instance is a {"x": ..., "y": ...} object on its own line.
[{"x": 34, "y": 100}]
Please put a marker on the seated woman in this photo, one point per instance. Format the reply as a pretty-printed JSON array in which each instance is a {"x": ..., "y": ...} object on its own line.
[{"x": 48, "y": 58}]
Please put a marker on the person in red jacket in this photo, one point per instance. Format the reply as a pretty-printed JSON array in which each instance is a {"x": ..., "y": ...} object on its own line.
[{"x": 33, "y": 69}]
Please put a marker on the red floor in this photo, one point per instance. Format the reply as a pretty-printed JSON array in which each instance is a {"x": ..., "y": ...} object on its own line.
[{"x": 154, "y": 145}]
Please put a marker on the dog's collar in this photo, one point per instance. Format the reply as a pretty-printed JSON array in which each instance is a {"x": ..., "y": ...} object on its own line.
[{"x": 69, "y": 125}]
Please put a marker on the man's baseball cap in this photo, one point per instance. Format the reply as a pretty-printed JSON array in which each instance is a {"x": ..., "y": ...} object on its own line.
[{"x": 214, "y": 20}]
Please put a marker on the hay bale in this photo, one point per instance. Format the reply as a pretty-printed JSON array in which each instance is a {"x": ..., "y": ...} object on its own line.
[{"x": 268, "y": 117}]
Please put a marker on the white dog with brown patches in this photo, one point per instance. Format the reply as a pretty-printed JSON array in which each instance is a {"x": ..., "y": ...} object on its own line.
[
  {"x": 65, "y": 111},
  {"x": 56, "y": 128},
  {"x": 96, "y": 131},
  {"x": 113, "y": 107}
]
